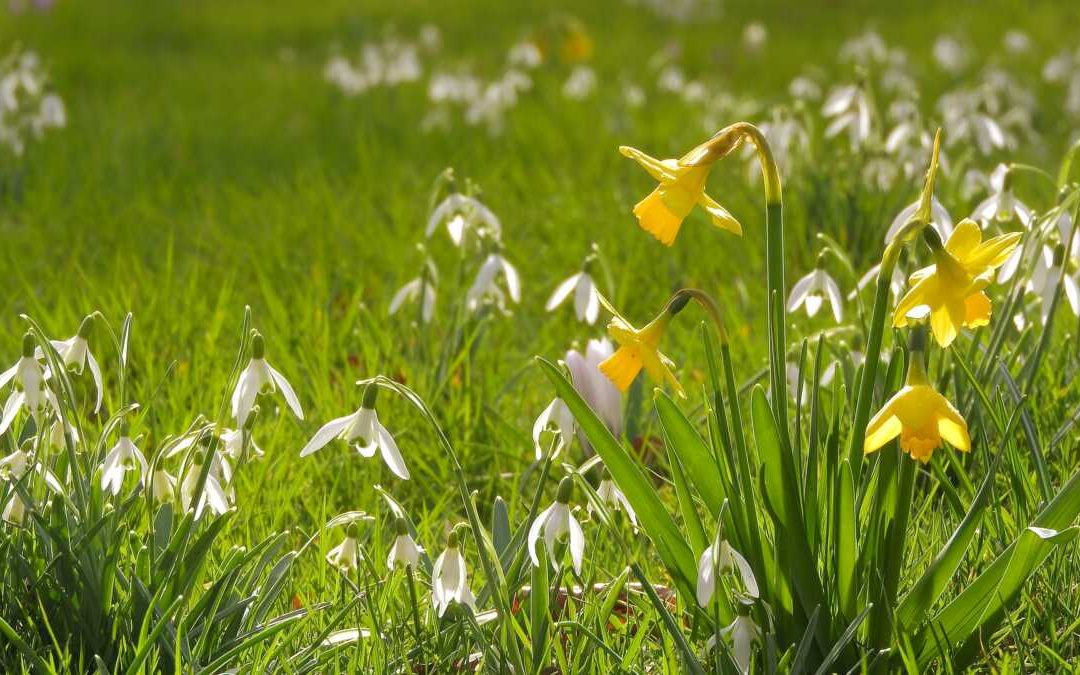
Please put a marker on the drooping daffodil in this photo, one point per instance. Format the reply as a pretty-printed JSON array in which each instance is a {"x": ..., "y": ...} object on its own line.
[
  {"x": 682, "y": 186},
  {"x": 919, "y": 415},
  {"x": 639, "y": 348}
]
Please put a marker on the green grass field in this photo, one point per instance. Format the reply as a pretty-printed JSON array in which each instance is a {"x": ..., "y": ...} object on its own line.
[{"x": 208, "y": 165}]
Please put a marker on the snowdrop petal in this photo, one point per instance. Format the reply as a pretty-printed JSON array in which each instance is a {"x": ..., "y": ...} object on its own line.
[
  {"x": 534, "y": 533},
  {"x": 577, "y": 543},
  {"x": 95, "y": 371},
  {"x": 562, "y": 291},
  {"x": 287, "y": 392},
  {"x": 390, "y": 453},
  {"x": 327, "y": 433}
]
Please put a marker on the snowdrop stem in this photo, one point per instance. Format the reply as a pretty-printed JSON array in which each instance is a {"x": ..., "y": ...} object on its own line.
[
  {"x": 85, "y": 326},
  {"x": 411, "y": 582}
]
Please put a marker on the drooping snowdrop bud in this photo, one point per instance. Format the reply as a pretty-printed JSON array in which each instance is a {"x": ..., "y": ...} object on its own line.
[
  {"x": 30, "y": 391},
  {"x": 345, "y": 557},
  {"x": 364, "y": 432},
  {"x": 613, "y": 497},
  {"x": 450, "y": 578},
  {"x": 558, "y": 417},
  {"x": 721, "y": 558},
  {"x": 123, "y": 457},
  {"x": 260, "y": 378},
  {"x": 404, "y": 550},
  {"x": 422, "y": 289},
  {"x": 463, "y": 215},
  {"x": 558, "y": 523}
]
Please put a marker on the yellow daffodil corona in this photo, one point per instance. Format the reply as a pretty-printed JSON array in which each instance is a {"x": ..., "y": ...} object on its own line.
[
  {"x": 640, "y": 349},
  {"x": 920, "y": 416},
  {"x": 681, "y": 188},
  {"x": 951, "y": 290}
]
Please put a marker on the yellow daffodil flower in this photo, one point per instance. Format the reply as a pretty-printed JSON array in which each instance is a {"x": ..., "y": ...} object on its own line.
[
  {"x": 682, "y": 186},
  {"x": 951, "y": 290},
  {"x": 639, "y": 349},
  {"x": 920, "y": 416}
]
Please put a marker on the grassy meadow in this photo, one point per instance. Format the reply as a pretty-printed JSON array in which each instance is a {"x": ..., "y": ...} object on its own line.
[{"x": 208, "y": 164}]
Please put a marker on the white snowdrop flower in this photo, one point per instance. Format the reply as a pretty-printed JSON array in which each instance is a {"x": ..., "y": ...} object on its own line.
[
  {"x": 867, "y": 47},
  {"x": 76, "y": 356},
  {"x": 558, "y": 416},
  {"x": 633, "y": 95},
  {"x": 485, "y": 286},
  {"x": 430, "y": 37},
  {"x": 123, "y": 457},
  {"x": 420, "y": 288},
  {"x": 1016, "y": 41},
  {"x": 754, "y": 36},
  {"x": 163, "y": 486},
  {"x": 364, "y": 432},
  {"x": 580, "y": 84},
  {"x": 950, "y": 54},
  {"x": 556, "y": 522},
  {"x": 450, "y": 578},
  {"x": 671, "y": 79},
  {"x": 232, "y": 444},
  {"x": 813, "y": 290},
  {"x": 612, "y": 496},
  {"x": 12, "y": 468},
  {"x": 597, "y": 390},
  {"x": 940, "y": 219},
  {"x": 213, "y": 495},
  {"x": 461, "y": 215},
  {"x": 586, "y": 297},
  {"x": 721, "y": 558},
  {"x": 258, "y": 378},
  {"x": 848, "y": 110},
  {"x": 345, "y": 557},
  {"x": 15, "y": 510},
  {"x": 787, "y": 137},
  {"x": 29, "y": 391},
  {"x": 896, "y": 285},
  {"x": 1002, "y": 205},
  {"x": 804, "y": 88},
  {"x": 741, "y": 636},
  {"x": 404, "y": 550},
  {"x": 525, "y": 54},
  {"x": 1044, "y": 281}
]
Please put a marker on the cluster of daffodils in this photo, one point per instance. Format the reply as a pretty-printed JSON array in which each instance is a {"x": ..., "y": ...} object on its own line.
[{"x": 28, "y": 106}]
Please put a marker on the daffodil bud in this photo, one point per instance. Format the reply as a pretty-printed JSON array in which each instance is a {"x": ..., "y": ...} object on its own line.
[
  {"x": 85, "y": 326},
  {"x": 28, "y": 345},
  {"x": 566, "y": 488},
  {"x": 933, "y": 239},
  {"x": 258, "y": 345},
  {"x": 678, "y": 303},
  {"x": 371, "y": 393}
]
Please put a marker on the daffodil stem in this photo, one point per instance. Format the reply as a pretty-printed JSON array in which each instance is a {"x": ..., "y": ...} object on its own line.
[{"x": 873, "y": 354}]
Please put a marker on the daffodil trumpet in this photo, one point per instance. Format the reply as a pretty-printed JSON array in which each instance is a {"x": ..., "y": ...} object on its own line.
[{"x": 638, "y": 348}]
